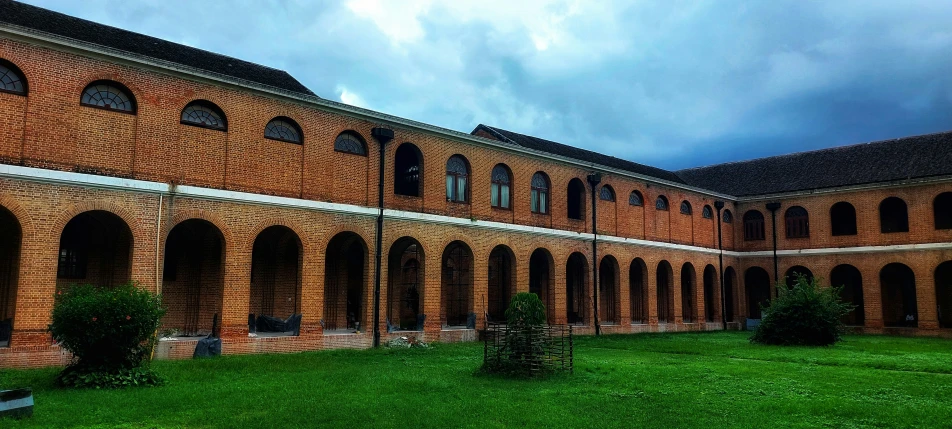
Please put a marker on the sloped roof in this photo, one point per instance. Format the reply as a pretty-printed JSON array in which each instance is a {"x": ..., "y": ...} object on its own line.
[
  {"x": 47, "y": 21},
  {"x": 905, "y": 158},
  {"x": 567, "y": 151}
]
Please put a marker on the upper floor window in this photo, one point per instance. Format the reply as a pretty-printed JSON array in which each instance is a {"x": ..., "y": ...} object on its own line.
[
  {"x": 893, "y": 215},
  {"x": 108, "y": 95},
  {"x": 540, "y": 193},
  {"x": 350, "y": 142},
  {"x": 11, "y": 79},
  {"x": 843, "y": 219},
  {"x": 283, "y": 129},
  {"x": 797, "y": 222},
  {"x": 457, "y": 179},
  {"x": 707, "y": 212},
  {"x": 942, "y": 209},
  {"x": 686, "y": 208},
  {"x": 205, "y": 114},
  {"x": 754, "y": 226},
  {"x": 728, "y": 217},
  {"x": 636, "y": 199},
  {"x": 576, "y": 199},
  {"x": 661, "y": 203},
  {"x": 407, "y": 167},
  {"x": 606, "y": 193},
  {"x": 499, "y": 188}
]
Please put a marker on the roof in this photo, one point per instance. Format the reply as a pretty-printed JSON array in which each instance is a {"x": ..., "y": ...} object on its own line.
[
  {"x": 47, "y": 21},
  {"x": 567, "y": 151},
  {"x": 905, "y": 158}
]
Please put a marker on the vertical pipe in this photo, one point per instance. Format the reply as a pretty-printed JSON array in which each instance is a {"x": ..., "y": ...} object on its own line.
[
  {"x": 594, "y": 179},
  {"x": 720, "y": 265},
  {"x": 382, "y": 135},
  {"x": 773, "y": 207}
]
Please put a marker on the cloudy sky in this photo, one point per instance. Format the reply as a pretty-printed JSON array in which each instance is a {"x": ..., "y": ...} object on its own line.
[{"x": 667, "y": 83}]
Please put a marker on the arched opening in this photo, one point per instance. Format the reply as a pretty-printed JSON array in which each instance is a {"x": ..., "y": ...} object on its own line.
[
  {"x": 457, "y": 179},
  {"x": 757, "y": 283},
  {"x": 688, "y": 280},
  {"x": 193, "y": 277},
  {"x": 542, "y": 279},
  {"x": 663, "y": 278},
  {"x": 843, "y": 219},
  {"x": 638, "y": 284},
  {"x": 797, "y": 222},
  {"x": 500, "y": 187},
  {"x": 730, "y": 280},
  {"x": 576, "y": 295},
  {"x": 408, "y": 170},
  {"x": 10, "y": 238},
  {"x": 898, "y": 288},
  {"x": 95, "y": 248},
  {"x": 851, "y": 280},
  {"x": 943, "y": 293},
  {"x": 405, "y": 286},
  {"x": 893, "y": 215},
  {"x": 608, "y": 290},
  {"x": 275, "y": 293},
  {"x": 502, "y": 277},
  {"x": 711, "y": 304},
  {"x": 458, "y": 286},
  {"x": 792, "y": 272},
  {"x": 576, "y": 199},
  {"x": 942, "y": 210},
  {"x": 754, "y": 226},
  {"x": 345, "y": 277},
  {"x": 108, "y": 95}
]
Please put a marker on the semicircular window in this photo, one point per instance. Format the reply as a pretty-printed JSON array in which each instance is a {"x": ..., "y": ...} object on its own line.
[
  {"x": 607, "y": 193},
  {"x": 635, "y": 199},
  {"x": 205, "y": 114},
  {"x": 707, "y": 212},
  {"x": 108, "y": 95},
  {"x": 661, "y": 203},
  {"x": 11, "y": 79},
  {"x": 686, "y": 208},
  {"x": 350, "y": 143},
  {"x": 728, "y": 217},
  {"x": 283, "y": 129}
]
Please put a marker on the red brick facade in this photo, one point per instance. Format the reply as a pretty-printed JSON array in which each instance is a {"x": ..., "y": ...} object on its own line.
[{"x": 215, "y": 252}]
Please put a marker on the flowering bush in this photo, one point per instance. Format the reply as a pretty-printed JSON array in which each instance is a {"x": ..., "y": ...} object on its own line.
[{"x": 109, "y": 331}]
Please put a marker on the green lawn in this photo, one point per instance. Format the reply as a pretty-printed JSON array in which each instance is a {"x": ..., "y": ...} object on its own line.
[{"x": 653, "y": 380}]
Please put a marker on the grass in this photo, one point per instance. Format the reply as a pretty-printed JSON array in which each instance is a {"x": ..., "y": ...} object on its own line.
[{"x": 652, "y": 380}]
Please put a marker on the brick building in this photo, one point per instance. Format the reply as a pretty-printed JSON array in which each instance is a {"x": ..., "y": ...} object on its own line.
[{"x": 232, "y": 190}]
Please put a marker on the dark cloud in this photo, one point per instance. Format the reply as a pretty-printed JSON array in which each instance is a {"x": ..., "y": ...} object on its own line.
[{"x": 672, "y": 84}]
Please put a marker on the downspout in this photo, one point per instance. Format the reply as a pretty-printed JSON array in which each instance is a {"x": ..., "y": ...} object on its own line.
[
  {"x": 594, "y": 179},
  {"x": 720, "y": 265},
  {"x": 158, "y": 234},
  {"x": 383, "y": 136},
  {"x": 773, "y": 207}
]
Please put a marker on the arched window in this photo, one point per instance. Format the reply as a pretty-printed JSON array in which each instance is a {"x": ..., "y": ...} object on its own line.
[
  {"x": 753, "y": 225},
  {"x": 499, "y": 188},
  {"x": 576, "y": 199},
  {"x": 942, "y": 209},
  {"x": 350, "y": 142},
  {"x": 407, "y": 167},
  {"x": 707, "y": 212},
  {"x": 661, "y": 203},
  {"x": 798, "y": 222},
  {"x": 11, "y": 79},
  {"x": 842, "y": 219},
  {"x": 109, "y": 95},
  {"x": 728, "y": 217},
  {"x": 893, "y": 216},
  {"x": 283, "y": 129},
  {"x": 606, "y": 193},
  {"x": 636, "y": 199},
  {"x": 205, "y": 114},
  {"x": 540, "y": 193},
  {"x": 457, "y": 179},
  {"x": 686, "y": 208}
]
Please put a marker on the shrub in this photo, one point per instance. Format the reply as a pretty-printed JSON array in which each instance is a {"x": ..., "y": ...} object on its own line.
[
  {"x": 109, "y": 331},
  {"x": 804, "y": 314},
  {"x": 525, "y": 309},
  {"x": 525, "y": 346}
]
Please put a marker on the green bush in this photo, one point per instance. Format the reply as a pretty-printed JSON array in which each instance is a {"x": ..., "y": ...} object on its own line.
[
  {"x": 109, "y": 331},
  {"x": 804, "y": 314},
  {"x": 525, "y": 309}
]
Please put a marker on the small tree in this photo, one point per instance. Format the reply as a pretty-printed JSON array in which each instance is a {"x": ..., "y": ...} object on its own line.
[
  {"x": 525, "y": 309},
  {"x": 109, "y": 331},
  {"x": 804, "y": 314}
]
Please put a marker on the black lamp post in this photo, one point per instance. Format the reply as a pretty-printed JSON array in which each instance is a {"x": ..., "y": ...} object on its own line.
[
  {"x": 383, "y": 136},
  {"x": 594, "y": 179}
]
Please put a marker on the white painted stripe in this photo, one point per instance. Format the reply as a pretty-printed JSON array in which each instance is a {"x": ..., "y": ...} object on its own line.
[{"x": 132, "y": 185}]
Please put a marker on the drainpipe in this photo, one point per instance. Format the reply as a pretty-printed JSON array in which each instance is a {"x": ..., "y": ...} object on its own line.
[
  {"x": 773, "y": 207},
  {"x": 594, "y": 179},
  {"x": 383, "y": 136},
  {"x": 720, "y": 265}
]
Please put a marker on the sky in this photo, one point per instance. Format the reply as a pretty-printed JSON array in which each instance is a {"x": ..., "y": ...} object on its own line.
[{"x": 673, "y": 84}]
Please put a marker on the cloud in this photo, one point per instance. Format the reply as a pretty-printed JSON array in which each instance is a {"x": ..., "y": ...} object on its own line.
[{"x": 672, "y": 84}]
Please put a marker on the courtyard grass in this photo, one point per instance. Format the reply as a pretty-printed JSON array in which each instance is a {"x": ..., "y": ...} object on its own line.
[{"x": 650, "y": 380}]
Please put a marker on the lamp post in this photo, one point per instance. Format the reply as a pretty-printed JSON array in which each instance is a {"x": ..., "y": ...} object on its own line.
[
  {"x": 720, "y": 265},
  {"x": 383, "y": 136},
  {"x": 594, "y": 179},
  {"x": 773, "y": 207}
]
